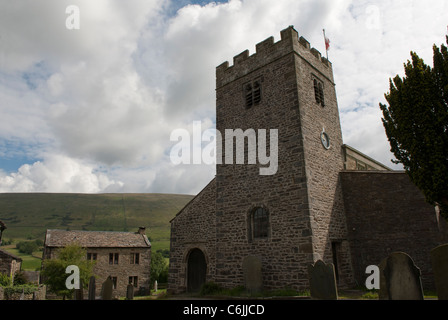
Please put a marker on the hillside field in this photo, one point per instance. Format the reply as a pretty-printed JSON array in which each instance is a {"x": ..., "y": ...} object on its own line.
[{"x": 29, "y": 215}]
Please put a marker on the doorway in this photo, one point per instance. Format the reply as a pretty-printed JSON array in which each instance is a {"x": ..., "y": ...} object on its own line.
[{"x": 196, "y": 271}]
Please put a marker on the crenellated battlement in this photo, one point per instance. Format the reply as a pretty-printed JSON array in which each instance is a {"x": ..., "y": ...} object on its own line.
[{"x": 268, "y": 51}]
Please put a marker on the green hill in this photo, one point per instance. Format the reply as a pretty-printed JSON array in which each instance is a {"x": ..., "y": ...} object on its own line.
[{"x": 29, "y": 215}]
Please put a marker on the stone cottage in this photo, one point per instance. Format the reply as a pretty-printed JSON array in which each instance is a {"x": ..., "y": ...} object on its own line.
[
  {"x": 326, "y": 201},
  {"x": 9, "y": 263},
  {"x": 124, "y": 256}
]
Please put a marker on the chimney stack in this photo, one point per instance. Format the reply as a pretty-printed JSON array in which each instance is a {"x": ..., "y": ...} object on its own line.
[{"x": 142, "y": 230}]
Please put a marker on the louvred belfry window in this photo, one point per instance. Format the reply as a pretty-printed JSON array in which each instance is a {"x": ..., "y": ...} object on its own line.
[
  {"x": 257, "y": 92},
  {"x": 252, "y": 94},
  {"x": 249, "y": 96},
  {"x": 319, "y": 92}
]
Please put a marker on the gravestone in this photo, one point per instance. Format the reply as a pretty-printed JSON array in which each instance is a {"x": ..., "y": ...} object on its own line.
[
  {"x": 439, "y": 260},
  {"x": 78, "y": 294},
  {"x": 155, "y": 286},
  {"x": 253, "y": 277},
  {"x": 106, "y": 289},
  {"x": 92, "y": 288},
  {"x": 130, "y": 292},
  {"x": 402, "y": 278},
  {"x": 322, "y": 281},
  {"x": 382, "y": 293}
]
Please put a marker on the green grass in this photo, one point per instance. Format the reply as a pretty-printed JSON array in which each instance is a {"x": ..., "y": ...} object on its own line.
[
  {"x": 29, "y": 262},
  {"x": 29, "y": 215},
  {"x": 211, "y": 289}
]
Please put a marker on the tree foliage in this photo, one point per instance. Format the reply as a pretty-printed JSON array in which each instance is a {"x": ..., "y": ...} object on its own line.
[
  {"x": 416, "y": 124},
  {"x": 20, "y": 278},
  {"x": 54, "y": 269},
  {"x": 5, "y": 280},
  {"x": 27, "y": 247},
  {"x": 159, "y": 268}
]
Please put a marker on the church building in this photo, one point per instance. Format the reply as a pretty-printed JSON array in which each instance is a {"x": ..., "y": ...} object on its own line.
[{"x": 327, "y": 201}]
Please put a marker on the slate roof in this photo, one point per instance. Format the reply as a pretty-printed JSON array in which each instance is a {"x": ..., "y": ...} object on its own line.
[
  {"x": 6, "y": 253},
  {"x": 96, "y": 239}
]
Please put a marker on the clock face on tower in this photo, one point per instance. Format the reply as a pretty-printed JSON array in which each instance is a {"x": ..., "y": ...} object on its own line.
[{"x": 325, "y": 140}]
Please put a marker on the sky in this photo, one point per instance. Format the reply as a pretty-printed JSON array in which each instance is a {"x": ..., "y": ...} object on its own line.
[{"x": 89, "y": 107}]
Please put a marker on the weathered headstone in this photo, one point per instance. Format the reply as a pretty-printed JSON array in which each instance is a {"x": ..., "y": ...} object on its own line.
[
  {"x": 92, "y": 288},
  {"x": 402, "y": 278},
  {"x": 130, "y": 292},
  {"x": 155, "y": 286},
  {"x": 79, "y": 293},
  {"x": 382, "y": 293},
  {"x": 439, "y": 260},
  {"x": 322, "y": 281},
  {"x": 253, "y": 277},
  {"x": 106, "y": 289}
]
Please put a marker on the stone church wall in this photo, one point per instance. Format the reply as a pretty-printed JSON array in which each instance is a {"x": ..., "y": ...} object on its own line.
[
  {"x": 193, "y": 227},
  {"x": 387, "y": 213},
  {"x": 322, "y": 165}
]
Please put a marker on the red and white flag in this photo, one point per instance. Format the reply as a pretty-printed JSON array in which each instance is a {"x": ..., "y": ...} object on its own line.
[{"x": 327, "y": 42}]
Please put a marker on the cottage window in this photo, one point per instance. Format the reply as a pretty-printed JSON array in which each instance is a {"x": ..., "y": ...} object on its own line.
[
  {"x": 113, "y": 258},
  {"x": 114, "y": 281},
  {"x": 91, "y": 256},
  {"x": 134, "y": 281},
  {"x": 135, "y": 258}
]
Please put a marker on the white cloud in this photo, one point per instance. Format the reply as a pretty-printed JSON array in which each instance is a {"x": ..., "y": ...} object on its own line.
[
  {"x": 98, "y": 104},
  {"x": 371, "y": 46},
  {"x": 57, "y": 174}
]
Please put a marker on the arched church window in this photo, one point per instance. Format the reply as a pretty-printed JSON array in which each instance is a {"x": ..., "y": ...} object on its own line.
[{"x": 259, "y": 223}]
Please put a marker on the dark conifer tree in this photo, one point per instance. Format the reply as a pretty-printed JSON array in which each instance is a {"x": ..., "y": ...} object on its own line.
[{"x": 416, "y": 124}]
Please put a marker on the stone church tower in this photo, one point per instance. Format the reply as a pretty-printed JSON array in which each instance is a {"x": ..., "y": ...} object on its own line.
[
  {"x": 289, "y": 220},
  {"x": 294, "y": 217}
]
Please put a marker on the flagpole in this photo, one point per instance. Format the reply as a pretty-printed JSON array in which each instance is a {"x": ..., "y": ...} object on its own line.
[{"x": 325, "y": 40}]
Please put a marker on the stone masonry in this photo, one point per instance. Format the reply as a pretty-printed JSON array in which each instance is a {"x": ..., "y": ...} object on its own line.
[
  {"x": 303, "y": 198},
  {"x": 9, "y": 263},
  {"x": 193, "y": 227},
  {"x": 287, "y": 86},
  {"x": 124, "y": 256},
  {"x": 386, "y": 213}
]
